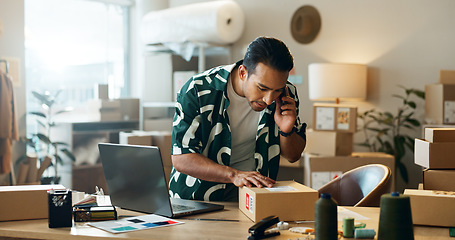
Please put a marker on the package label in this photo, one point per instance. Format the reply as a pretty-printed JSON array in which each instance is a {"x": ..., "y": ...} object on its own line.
[
  {"x": 319, "y": 179},
  {"x": 343, "y": 118},
  {"x": 249, "y": 202},
  {"x": 449, "y": 111},
  {"x": 324, "y": 118}
]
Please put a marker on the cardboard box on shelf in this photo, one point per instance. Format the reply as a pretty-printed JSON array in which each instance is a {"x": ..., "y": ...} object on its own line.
[
  {"x": 433, "y": 208},
  {"x": 440, "y": 134},
  {"x": 289, "y": 200},
  {"x": 447, "y": 76},
  {"x": 319, "y": 170},
  {"x": 135, "y": 138},
  {"x": 440, "y": 103},
  {"x": 129, "y": 108},
  {"x": 24, "y": 202},
  {"x": 437, "y": 155},
  {"x": 325, "y": 143},
  {"x": 158, "y": 124},
  {"x": 439, "y": 180},
  {"x": 334, "y": 117}
]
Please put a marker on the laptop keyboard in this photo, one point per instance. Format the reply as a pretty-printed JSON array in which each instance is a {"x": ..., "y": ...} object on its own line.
[{"x": 177, "y": 207}]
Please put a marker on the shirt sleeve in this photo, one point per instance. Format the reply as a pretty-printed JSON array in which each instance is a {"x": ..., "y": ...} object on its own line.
[
  {"x": 186, "y": 137},
  {"x": 301, "y": 127}
]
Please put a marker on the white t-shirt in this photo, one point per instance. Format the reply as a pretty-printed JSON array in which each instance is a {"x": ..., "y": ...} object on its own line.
[{"x": 243, "y": 121}]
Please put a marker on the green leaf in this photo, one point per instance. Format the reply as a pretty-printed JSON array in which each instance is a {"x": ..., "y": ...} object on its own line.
[
  {"x": 60, "y": 143},
  {"x": 403, "y": 171},
  {"x": 398, "y": 96},
  {"x": 39, "y": 114},
  {"x": 68, "y": 154},
  {"x": 413, "y": 121},
  {"x": 388, "y": 114},
  {"x": 412, "y": 104},
  {"x": 58, "y": 159},
  {"x": 43, "y": 138},
  {"x": 399, "y": 146},
  {"x": 419, "y": 93},
  {"x": 43, "y": 98}
]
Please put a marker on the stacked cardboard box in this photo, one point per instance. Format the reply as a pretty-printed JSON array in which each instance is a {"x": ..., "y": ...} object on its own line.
[
  {"x": 332, "y": 134},
  {"x": 440, "y": 99},
  {"x": 436, "y": 154}
]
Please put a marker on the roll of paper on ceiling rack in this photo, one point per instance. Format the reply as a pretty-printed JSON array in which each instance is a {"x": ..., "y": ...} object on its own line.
[{"x": 364, "y": 233}]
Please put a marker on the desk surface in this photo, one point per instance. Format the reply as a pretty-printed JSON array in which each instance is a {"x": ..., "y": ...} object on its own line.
[{"x": 191, "y": 229}]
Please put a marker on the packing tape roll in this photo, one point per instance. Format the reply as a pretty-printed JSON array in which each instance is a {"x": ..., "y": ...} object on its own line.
[{"x": 215, "y": 22}]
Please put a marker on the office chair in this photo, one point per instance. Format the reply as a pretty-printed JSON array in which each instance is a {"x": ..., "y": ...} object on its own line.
[{"x": 360, "y": 187}]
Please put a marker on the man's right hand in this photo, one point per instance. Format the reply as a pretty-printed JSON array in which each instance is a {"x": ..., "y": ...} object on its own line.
[{"x": 252, "y": 179}]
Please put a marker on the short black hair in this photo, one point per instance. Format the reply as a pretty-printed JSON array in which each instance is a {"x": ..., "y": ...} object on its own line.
[{"x": 269, "y": 51}]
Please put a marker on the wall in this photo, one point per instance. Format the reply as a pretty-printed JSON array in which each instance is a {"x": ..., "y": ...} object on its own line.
[{"x": 12, "y": 46}]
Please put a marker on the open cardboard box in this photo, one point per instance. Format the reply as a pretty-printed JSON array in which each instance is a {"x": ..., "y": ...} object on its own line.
[
  {"x": 433, "y": 208},
  {"x": 437, "y": 155},
  {"x": 289, "y": 200}
]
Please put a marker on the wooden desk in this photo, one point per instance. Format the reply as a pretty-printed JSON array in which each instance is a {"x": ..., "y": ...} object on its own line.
[{"x": 192, "y": 229}]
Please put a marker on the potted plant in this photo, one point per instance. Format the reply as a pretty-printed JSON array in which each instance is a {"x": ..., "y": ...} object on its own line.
[
  {"x": 40, "y": 141},
  {"x": 384, "y": 131}
]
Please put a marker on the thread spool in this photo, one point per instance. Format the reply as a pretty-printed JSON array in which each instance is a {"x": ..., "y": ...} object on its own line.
[
  {"x": 348, "y": 227},
  {"x": 395, "y": 217},
  {"x": 364, "y": 233},
  {"x": 326, "y": 221}
]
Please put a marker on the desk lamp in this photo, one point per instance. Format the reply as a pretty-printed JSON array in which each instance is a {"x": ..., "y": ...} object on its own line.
[{"x": 335, "y": 81}]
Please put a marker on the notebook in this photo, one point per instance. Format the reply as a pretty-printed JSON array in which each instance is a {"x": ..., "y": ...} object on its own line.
[{"x": 136, "y": 181}]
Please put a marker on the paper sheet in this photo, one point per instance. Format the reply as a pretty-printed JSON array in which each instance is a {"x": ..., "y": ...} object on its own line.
[{"x": 135, "y": 223}]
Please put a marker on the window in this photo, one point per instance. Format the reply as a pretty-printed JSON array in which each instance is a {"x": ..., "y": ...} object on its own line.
[{"x": 72, "y": 45}]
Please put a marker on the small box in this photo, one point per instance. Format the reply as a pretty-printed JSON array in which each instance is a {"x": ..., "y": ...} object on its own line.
[
  {"x": 439, "y": 180},
  {"x": 319, "y": 170},
  {"x": 447, "y": 76},
  {"x": 135, "y": 138},
  {"x": 325, "y": 143},
  {"x": 158, "y": 124},
  {"x": 440, "y": 134},
  {"x": 334, "y": 117},
  {"x": 101, "y": 91},
  {"x": 129, "y": 108},
  {"x": 25, "y": 201},
  {"x": 289, "y": 200},
  {"x": 440, "y": 103},
  {"x": 434, "y": 208},
  {"x": 438, "y": 155}
]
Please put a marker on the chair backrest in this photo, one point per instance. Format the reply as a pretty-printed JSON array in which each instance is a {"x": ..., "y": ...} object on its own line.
[{"x": 361, "y": 186}]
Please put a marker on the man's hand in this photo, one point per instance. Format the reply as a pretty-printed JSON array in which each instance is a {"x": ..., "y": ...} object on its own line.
[
  {"x": 252, "y": 179},
  {"x": 285, "y": 114}
]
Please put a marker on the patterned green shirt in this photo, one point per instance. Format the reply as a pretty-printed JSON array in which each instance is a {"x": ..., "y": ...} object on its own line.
[{"x": 201, "y": 125}]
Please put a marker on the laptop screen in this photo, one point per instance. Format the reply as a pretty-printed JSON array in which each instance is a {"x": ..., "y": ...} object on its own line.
[{"x": 135, "y": 178}]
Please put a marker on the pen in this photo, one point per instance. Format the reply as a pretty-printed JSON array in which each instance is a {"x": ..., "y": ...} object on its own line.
[{"x": 213, "y": 219}]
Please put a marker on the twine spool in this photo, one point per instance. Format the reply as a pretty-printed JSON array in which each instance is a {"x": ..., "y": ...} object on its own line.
[
  {"x": 326, "y": 221},
  {"x": 395, "y": 218},
  {"x": 364, "y": 233},
  {"x": 348, "y": 227}
]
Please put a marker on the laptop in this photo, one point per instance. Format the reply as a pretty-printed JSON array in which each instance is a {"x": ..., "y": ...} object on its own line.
[{"x": 136, "y": 181}]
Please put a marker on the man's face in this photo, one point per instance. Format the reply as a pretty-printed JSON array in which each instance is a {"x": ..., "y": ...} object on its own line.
[{"x": 264, "y": 86}]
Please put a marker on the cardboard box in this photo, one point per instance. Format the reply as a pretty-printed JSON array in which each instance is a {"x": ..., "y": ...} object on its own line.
[
  {"x": 438, "y": 155},
  {"x": 439, "y": 180},
  {"x": 440, "y": 134},
  {"x": 447, "y": 76},
  {"x": 129, "y": 108},
  {"x": 289, "y": 200},
  {"x": 24, "y": 201},
  {"x": 434, "y": 208},
  {"x": 334, "y": 117},
  {"x": 158, "y": 124},
  {"x": 135, "y": 138},
  {"x": 440, "y": 103},
  {"x": 326, "y": 143},
  {"x": 319, "y": 170}
]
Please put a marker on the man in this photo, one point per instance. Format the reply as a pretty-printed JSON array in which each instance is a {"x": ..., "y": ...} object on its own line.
[{"x": 232, "y": 123}]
